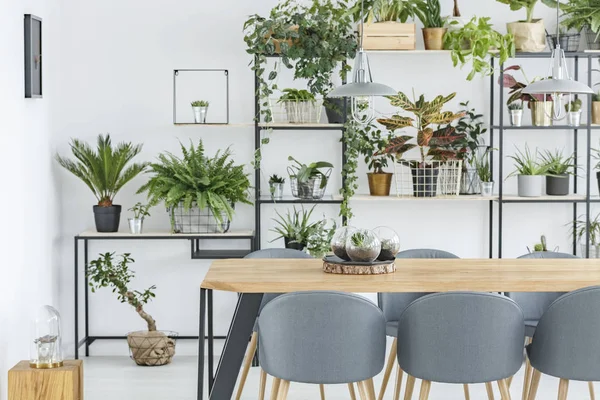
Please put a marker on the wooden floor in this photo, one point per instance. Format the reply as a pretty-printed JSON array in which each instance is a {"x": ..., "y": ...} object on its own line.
[{"x": 118, "y": 378}]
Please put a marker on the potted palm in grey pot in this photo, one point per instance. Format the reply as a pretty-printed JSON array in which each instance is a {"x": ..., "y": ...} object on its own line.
[
  {"x": 530, "y": 173},
  {"x": 559, "y": 168},
  {"x": 105, "y": 170}
]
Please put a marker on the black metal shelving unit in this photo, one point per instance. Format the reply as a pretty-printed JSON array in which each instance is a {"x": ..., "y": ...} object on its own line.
[{"x": 577, "y": 198}]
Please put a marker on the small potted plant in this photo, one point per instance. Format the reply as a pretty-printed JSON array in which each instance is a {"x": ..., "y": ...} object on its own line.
[
  {"x": 541, "y": 109},
  {"x": 200, "y": 108},
  {"x": 319, "y": 241},
  {"x": 542, "y": 246},
  {"x": 136, "y": 224},
  {"x": 516, "y": 113},
  {"x": 295, "y": 228},
  {"x": 596, "y": 108},
  {"x": 558, "y": 169},
  {"x": 276, "y": 186},
  {"x": 529, "y": 34},
  {"x": 579, "y": 230},
  {"x": 363, "y": 246},
  {"x": 150, "y": 347},
  {"x": 301, "y": 106},
  {"x": 530, "y": 173},
  {"x": 573, "y": 110},
  {"x": 433, "y": 25},
  {"x": 370, "y": 143},
  {"x": 105, "y": 171},
  {"x": 308, "y": 181},
  {"x": 484, "y": 171}
]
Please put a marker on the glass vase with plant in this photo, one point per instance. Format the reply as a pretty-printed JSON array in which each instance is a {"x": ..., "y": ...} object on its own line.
[
  {"x": 558, "y": 168},
  {"x": 434, "y": 138},
  {"x": 363, "y": 245},
  {"x": 295, "y": 227},
  {"x": 433, "y": 24},
  {"x": 529, "y": 171},
  {"x": 200, "y": 109},
  {"x": 308, "y": 180},
  {"x": 276, "y": 183},
  {"x": 529, "y": 34},
  {"x": 105, "y": 170},
  {"x": 136, "y": 224},
  {"x": 484, "y": 172},
  {"x": 580, "y": 231}
]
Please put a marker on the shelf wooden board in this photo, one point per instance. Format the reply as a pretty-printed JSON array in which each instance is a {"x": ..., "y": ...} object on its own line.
[
  {"x": 327, "y": 199},
  {"x": 367, "y": 197},
  {"x": 545, "y": 198},
  {"x": 238, "y": 125},
  {"x": 551, "y": 127},
  {"x": 408, "y": 52},
  {"x": 301, "y": 126},
  {"x": 237, "y": 234}
]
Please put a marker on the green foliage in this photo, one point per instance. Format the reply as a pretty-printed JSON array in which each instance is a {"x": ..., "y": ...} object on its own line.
[
  {"x": 430, "y": 15},
  {"x": 358, "y": 239},
  {"x": 558, "y": 164},
  {"x": 526, "y": 163},
  {"x": 197, "y": 180},
  {"x": 140, "y": 210},
  {"x": 369, "y": 143},
  {"x": 319, "y": 242},
  {"x": 200, "y": 103},
  {"x": 596, "y": 156},
  {"x": 295, "y": 226},
  {"x": 104, "y": 170},
  {"x": 573, "y": 106},
  {"x": 542, "y": 246},
  {"x": 580, "y": 228},
  {"x": 276, "y": 179},
  {"x": 475, "y": 42},
  {"x": 387, "y": 10},
  {"x": 596, "y": 96},
  {"x": 472, "y": 127},
  {"x": 528, "y": 5},
  {"x": 352, "y": 138},
  {"x": 304, "y": 173},
  {"x": 482, "y": 166},
  {"x": 516, "y": 88},
  {"x": 296, "y": 95},
  {"x": 516, "y": 105},
  {"x": 578, "y": 14},
  {"x": 108, "y": 272}
]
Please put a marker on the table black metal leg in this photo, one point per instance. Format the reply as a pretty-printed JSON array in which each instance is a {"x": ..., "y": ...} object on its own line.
[
  {"x": 86, "y": 292},
  {"x": 201, "y": 344},
  {"x": 76, "y": 308},
  {"x": 236, "y": 343},
  {"x": 211, "y": 342}
]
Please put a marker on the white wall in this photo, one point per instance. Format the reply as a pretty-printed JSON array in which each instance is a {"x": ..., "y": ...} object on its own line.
[
  {"x": 116, "y": 76},
  {"x": 29, "y": 197}
]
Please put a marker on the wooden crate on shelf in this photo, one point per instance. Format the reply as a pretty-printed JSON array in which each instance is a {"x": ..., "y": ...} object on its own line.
[{"x": 389, "y": 36}]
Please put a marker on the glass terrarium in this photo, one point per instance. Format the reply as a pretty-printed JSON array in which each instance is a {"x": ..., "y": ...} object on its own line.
[
  {"x": 363, "y": 245},
  {"x": 46, "y": 339},
  {"x": 390, "y": 243}
]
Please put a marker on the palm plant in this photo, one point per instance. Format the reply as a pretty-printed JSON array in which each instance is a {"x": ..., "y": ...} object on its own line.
[{"x": 105, "y": 169}]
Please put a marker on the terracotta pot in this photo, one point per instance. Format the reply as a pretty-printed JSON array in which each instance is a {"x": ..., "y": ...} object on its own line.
[
  {"x": 379, "y": 184},
  {"x": 596, "y": 112},
  {"x": 434, "y": 38},
  {"x": 529, "y": 36}
]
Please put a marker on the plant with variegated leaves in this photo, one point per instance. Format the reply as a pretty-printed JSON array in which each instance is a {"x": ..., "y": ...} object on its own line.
[{"x": 432, "y": 139}]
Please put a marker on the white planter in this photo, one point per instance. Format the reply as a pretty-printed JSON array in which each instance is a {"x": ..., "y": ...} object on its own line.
[
  {"x": 487, "y": 189},
  {"x": 200, "y": 114},
  {"x": 574, "y": 118},
  {"x": 516, "y": 117},
  {"x": 530, "y": 185}
]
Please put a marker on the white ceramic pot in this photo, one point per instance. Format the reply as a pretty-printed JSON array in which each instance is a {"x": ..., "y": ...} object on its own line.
[
  {"x": 574, "y": 118},
  {"x": 516, "y": 117},
  {"x": 487, "y": 189},
  {"x": 200, "y": 114},
  {"x": 530, "y": 185}
]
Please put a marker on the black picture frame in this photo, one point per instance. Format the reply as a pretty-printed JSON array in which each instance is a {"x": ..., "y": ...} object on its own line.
[{"x": 33, "y": 56}]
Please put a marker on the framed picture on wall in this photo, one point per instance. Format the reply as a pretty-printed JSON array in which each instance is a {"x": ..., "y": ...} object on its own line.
[{"x": 33, "y": 56}]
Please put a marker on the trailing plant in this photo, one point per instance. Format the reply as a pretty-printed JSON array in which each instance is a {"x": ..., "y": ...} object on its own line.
[
  {"x": 526, "y": 163},
  {"x": 200, "y": 103},
  {"x": 573, "y": 106},
  {"x": 558, "y": 164},
  {"x": 516, "y": 88},
  {"x": 475, "y": 42},
  {"x": 106, "y": 271},
  {"x": 370, "y": 141},
  {"x": 295, "y": 226},
  {"x": 580, "y": 228},
  {"x": 296, "y": 95},
  {"x": 197, "y": 180},
  {"x": 430, "y": 15},
  {"x": 304, "y": 173},
  {"x": 470, "y": 125},
  {"x": 516, "y": 105},
  {"x": 106, "y": 169},
  {"x": 140, "y": 210},
  {"x": 578, "y": 14},
  {"x": 433, "y": 144},
  {"x": 276, "y": 179},
  {"x": 352, "y": 138},
  {"x": 482, "y": 166},
  {"x": 528, "y": 5},
  {"x": 319, "y": 242},
  {"x": 387, "y": 10}
]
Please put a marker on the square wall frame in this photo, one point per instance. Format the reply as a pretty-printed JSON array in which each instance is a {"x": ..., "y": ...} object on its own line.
[
  {"x": 33, "y": 56},
  {"x": 211, "y": 85}
]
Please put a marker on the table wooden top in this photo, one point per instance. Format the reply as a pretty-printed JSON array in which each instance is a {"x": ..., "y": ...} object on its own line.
[{"x": 412, "y": 275}]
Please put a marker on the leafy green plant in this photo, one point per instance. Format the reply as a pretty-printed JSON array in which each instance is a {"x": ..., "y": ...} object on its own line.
[
  {"x": 580, "y": 228},
  {"x": 433, "y": 144},
  {"x": 296, "y": 95},
  {"x": 358, "y": 239},
  {"x": 482, "y": 166},
  {"x": 516, "y": 88},
  {"x": 140, "y": 210},
  {"x": 516, "y": 105},
  {"x": 108, "y": 272},
  {"x": 276, "y": 179},
  {"x": 200, "y": 103},
  {"x": 528, "y": 5},
  {"x": 104, "y": 170},
  {"x": 387, "y": 10},
  {"x": 475, "y": 42},
  {"x": 351, "y": 138},
  {"x": 319, "y": 242},
  {"x": 558, "y": 164},
  {"x": 526, "y": 163},
  {"x": 430, "y": 15},
  {"x": 470, "y": 125},
  {"x": 573, "y": 106},
  {"x": 295, "y": 226},
  {"x": 197, "y": 180},
  {"x": 304, "y": 173},
  {"x": 578, "y": 14}
]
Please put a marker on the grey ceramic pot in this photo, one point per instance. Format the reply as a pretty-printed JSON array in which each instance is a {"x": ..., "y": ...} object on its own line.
[
  {"x": 557, "y": 185},
  {"x": 530, "y": 185},
  {"x": 107, "y": 218}
]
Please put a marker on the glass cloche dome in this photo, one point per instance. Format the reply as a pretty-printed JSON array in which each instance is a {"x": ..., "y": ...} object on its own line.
[{"x": 46, "y": 339}]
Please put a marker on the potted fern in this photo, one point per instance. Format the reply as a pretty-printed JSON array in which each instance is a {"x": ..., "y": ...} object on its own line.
[
  {"x": 105, "y": 170},
  {"x": 530, "y": 173},
  {"x": 200, "y": 192}
]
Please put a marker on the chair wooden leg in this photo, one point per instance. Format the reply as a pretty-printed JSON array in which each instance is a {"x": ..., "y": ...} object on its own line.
[
  {"x": 247, "y": 364},
  {"x": 528, "y": 374},
  {"x": 490, "y": 390},
  {"x": 388, "y": 368},
  {"x": 284, "y": 386},
  {"x": 535, "y": 383},
  {"x": 410, "y": 387},
  {"x": 425, "y": 386},
  {"x": 509, "y": 381},
  {"x": 466, "y": 390},
  {"x": 371, "y": 389},
  {"x": 563, "y": 388},
  {"x": 398, "y": 385},
  {"x": 591, "y": 387},
  {"x": 352, "y": 392},
  {"x": 322, "y": 391},
  {"x": 504, "y": 393},
  {"x": 262, "y": 384},
  {"x": 362, "y": 391},
  {"x": 275, "y": 388}
]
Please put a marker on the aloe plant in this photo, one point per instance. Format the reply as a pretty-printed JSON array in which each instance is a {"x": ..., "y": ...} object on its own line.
[
  {"x": 295, "y": 226},
  {"x": 527, "y": 163}
]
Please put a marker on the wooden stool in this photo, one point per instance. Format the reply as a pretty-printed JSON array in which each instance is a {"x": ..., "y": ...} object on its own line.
[{"x": 63, "y": 383}]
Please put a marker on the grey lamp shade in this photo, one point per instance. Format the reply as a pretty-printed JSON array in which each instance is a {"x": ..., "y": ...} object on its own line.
[
  {"x": 566, "y": 86},
  {"x": 362, "y": 89}
]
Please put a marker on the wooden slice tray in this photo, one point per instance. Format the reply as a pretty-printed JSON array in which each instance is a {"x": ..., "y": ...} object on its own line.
[{"x": 335, "y": 265}]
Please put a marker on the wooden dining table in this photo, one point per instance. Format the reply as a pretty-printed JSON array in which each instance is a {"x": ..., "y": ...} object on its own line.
[{"x": 251, "y": 278}]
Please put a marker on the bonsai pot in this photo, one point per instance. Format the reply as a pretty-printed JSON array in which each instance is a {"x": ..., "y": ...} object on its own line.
[
  {"x": 200, "y": 114},
  {"x": 516, "y": 117},
  {"x": 289, "y": 244},
  {"x": 530, "y": 185},
  {"x": 557, "y": 185},
  {"x": 434, "y": 38},
  {"x": 136, "y": 225},
  {"x": 596, "y": 112},
  {"x": 574, "y": 118},
  {"x": 529, "y": 36},
  {"x": 425, "y": 181},
  {"x": 380, "y": 183},
  {"x": 107, "y": 218},
  {"x": 151, "y": 348},
  {"x": 541, "y": 113},
  {"x": 334, "y": 108},
  {"x": 487, "y": 189}
]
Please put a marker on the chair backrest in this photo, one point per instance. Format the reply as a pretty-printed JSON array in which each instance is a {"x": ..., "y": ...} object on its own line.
[
  {"x": 534, "y": 304},
  {"x": 392, "y": 304},
  {"x": 321, "y": 337},
  {"x": 565, "y": 343},
  {"x": 461, "y": 337}
]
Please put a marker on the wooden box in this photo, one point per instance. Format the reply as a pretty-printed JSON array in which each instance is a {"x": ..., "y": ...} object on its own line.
[
  {"x": 389, "y": 36},
  {"x": 63, "y": 383}
]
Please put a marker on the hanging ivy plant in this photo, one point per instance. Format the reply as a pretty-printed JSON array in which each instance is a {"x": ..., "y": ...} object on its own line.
[{"x": 352, "y": 138}]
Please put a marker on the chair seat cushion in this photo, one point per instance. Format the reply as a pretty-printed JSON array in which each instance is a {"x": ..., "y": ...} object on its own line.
[
  {"x": 391, "y": 328},
  {"x": 530, "y": 326}
]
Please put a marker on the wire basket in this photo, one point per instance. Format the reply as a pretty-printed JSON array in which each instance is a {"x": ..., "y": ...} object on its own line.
[
  {"x": 569, "y": 42},
  {"x": 196, "y": 220},
  {"x": 152, "y": 348},
  {"x": 296, "y": 112},
  {"x": 593, "y": 41},
  {"x": 309, "y": 190},
  {"x": 436, "y": 179}
]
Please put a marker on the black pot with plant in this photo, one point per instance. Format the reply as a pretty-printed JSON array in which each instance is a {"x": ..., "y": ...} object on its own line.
[
  {"x": 105, "y": 170},
  {"x": 334, "y": 108},
  {"x": 295, "y": 228},
  {"x": 308, "y": 180},
  {"x": 559, "y": 168}
]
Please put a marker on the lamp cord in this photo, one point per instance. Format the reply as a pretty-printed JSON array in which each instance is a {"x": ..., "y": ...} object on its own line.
[
  {"x": 362, "y": 23},
  {"x": 557, "y": 23}
]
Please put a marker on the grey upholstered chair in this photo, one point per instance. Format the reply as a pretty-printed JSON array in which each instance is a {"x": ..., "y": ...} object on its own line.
[
  {"x": 435, "y": 346},
  {"x": 534, "y": 305},
  {"x": 565, "y": 343},
  {"x": 265, "y": 253},
  {"x": 322, "y": 338},
  {"x": 392, "y": 305}
]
